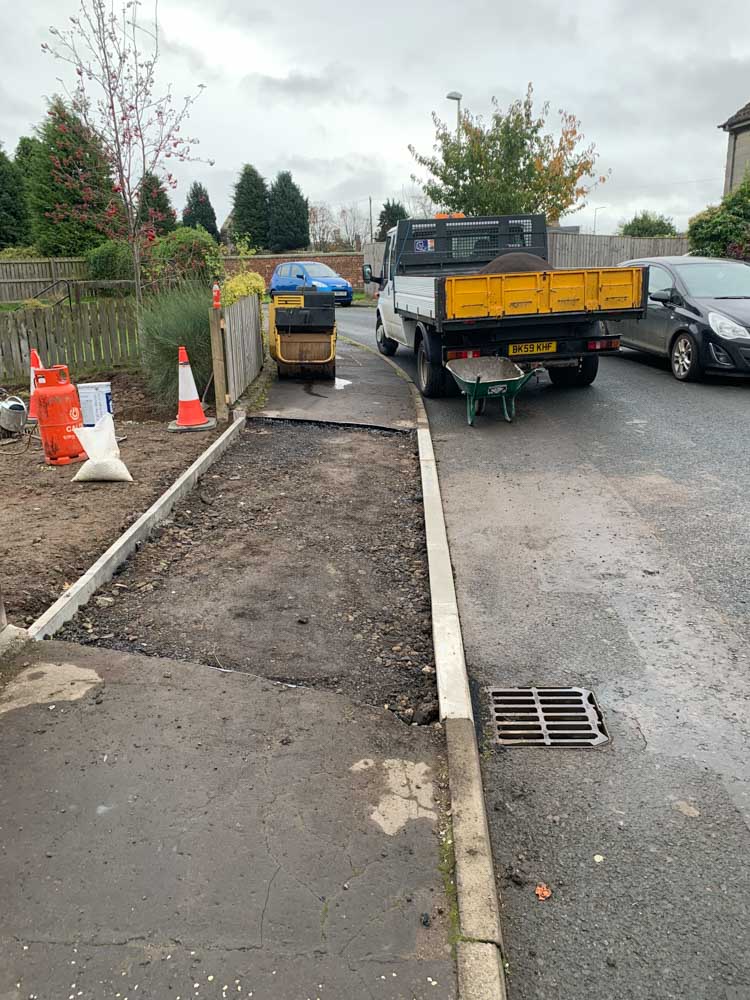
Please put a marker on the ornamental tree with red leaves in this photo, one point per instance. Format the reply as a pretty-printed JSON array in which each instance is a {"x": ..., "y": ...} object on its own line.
[{"x": 114, "y": 56}]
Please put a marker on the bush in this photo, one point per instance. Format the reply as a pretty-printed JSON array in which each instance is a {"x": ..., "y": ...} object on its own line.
[
  {"x": 723, "y": 230},
  {"x": 183, "y": 253},
  {"x": 20, "y": 253},
  {"x": 712, "y": 231},
  {"x": 112, "y": 261},
  {"x": 171, "y": 319},
  {"x": 242, "y": 284}
]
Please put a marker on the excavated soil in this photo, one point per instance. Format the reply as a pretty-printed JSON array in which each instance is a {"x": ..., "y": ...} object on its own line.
[{"x": 300, "y": 557}]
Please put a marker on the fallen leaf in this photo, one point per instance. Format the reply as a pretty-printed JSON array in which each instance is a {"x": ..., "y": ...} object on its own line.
[{"x": 543, "y": 891}]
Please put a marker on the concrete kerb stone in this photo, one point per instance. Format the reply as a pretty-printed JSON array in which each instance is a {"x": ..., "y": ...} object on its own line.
[
  {"x": 65, "y": 607},
  {"x": 480, "y": 971},
  {"x": 11, "y": 638},
  {"x": 479, "y": 950}
]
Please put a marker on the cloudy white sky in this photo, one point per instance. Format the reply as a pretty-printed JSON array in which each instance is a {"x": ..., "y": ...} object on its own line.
[{"x": 336, "y": 92}]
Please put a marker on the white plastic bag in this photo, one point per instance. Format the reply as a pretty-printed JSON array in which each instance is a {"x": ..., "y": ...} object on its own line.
[{"x": 104, "y": 464}]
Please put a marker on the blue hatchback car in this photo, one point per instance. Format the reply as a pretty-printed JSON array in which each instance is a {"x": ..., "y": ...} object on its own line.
[{"x": 311, "y": 274}]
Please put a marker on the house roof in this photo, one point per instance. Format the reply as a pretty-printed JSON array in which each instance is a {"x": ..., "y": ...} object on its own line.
[{"x": 739, "y": 118}]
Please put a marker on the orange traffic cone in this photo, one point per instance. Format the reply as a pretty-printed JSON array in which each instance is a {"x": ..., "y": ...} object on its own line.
[
  {"x": 190, "y": 415},
  {"x": 35, "y": 364}
]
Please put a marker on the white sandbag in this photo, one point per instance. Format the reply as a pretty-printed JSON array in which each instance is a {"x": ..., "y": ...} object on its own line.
[{"x": 104, "y": 464}]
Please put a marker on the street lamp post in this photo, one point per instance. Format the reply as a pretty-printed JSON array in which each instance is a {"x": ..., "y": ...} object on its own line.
[
  {"x": 595, "y": 211},
  {"x": 455, "y": 96}
]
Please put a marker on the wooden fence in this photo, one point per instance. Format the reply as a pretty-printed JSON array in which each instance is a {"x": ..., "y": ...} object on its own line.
[
  {"x": 577, "y": 250},
  {"x": 86, "y": 337},
  {"x": 237, "y": 349},
  {"x": 25, "y": 279},
  {"x": 582, "y": 250}
]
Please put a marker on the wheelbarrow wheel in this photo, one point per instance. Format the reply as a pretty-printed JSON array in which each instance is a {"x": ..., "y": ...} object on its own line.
[
  {"x": 480, "y": 406},
  {"x": 386, "y": 346}
]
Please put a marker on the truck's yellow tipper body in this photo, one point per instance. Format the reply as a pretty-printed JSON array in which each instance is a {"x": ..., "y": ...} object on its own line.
[{"x": 590, "y": 289}]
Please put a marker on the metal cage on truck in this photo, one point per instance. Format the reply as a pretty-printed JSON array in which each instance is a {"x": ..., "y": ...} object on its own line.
[{"x": 432, "y": 246}]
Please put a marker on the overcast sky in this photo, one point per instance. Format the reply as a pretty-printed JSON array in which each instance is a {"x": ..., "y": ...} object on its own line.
[{"x": 336, "y": 92}]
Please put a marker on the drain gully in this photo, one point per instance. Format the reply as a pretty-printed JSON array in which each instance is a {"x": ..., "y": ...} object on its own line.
[{"x": 547, "y": 717}]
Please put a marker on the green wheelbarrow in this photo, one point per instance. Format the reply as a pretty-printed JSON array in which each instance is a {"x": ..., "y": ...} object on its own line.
[{"x": 480, "y": 379}]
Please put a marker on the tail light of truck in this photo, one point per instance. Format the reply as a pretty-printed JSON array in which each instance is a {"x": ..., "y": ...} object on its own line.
[
  {"x": 454, "y": 355},
  {"x": 603, "y": 345}
]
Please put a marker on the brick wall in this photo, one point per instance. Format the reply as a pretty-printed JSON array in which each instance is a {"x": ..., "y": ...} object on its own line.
[{"x": 348, "y": 265}]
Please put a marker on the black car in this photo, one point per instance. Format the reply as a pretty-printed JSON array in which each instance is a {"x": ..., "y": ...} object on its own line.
[{"x": 698, "y": 316}]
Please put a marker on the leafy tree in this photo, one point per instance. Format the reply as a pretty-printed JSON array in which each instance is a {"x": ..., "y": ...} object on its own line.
[
  {"x": 155, "y": 212},
  {"x": 69, "y": 186},
  {"x": 250, "y": 207},
  {"x": 198, "y": 210},
  {"x": 14, "y": 218},
  {"x": 114, "y": 58},
  {"x": 391, "y": 213},
  {"x": 647, "y": 223},
  {"x": 724, "y": 230},
  {"x": 510, "y": 165},
  {"x": 288, "y": 222},
  {"x": 26, "y": 149}
]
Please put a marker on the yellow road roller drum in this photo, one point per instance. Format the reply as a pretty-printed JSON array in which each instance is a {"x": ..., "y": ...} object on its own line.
[{"x": 302, "y": 334}]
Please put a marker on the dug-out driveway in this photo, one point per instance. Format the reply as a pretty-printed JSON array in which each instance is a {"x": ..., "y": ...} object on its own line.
[{"x": 301, "y": 558}]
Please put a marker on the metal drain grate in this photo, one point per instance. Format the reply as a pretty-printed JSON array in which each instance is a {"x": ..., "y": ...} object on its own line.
[{"x": 547, "y": 717}]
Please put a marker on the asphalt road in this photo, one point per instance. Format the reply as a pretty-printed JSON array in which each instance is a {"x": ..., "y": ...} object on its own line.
[{"x": 601, "y": 541}]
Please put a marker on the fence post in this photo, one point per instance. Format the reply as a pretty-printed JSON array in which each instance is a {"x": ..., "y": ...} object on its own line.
[{"x": 217, "y": 355}]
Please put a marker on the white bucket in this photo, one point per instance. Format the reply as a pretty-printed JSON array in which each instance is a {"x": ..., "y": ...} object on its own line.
[{"x": 96, "y": 400}]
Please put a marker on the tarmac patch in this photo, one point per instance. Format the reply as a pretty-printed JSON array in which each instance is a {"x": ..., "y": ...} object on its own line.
[
  {"x": 48, "y": 682},
  {"x": 409, "y": 795}
]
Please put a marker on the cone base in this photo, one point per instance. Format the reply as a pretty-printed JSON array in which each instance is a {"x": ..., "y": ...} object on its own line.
[{"x": 208, "y": 426}]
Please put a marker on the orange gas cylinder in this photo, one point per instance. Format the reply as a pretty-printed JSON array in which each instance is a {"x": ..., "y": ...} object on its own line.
[{"x": 59, "y": 411}]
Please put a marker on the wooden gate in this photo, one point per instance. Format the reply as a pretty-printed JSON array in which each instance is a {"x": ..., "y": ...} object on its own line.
[{"x": 237, "y": 349}]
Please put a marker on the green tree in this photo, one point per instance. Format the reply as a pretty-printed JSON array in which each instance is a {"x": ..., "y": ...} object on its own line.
[
  {"x": 510, "y": 165},
  {"x": 250, "y": 207},
  {"x": 647, "y": 223},
  {"x": 154, "y": 207},
  {"x": 14, "y": 217},
  {"x": 26, "y": 149},
  {"x": 724, "y": 230},
  {"x": 70, "y": 190},
  {"x": 198, "y": 210},
  {"x": 288, "y": 215},
  {"x": 391, "y": 213}
]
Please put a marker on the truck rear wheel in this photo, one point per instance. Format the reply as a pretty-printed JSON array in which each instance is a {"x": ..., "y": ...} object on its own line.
[
  {"x": 430, "y": 377},
  {"x": 583, "y": 375},
  {"x": 386, "y": 346}
]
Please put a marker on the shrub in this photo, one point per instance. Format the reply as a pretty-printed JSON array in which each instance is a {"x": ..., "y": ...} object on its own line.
[
  {"x": 242, "y": 284},
  {"x": 112, "y": 261},
  {"x": 723, "y": 230},
  {"x": 170, "y": 319},
  {"x": 20, "y": 253},
  {"x": 712, "y": 231},
  {"x": 183, "y": 253}
]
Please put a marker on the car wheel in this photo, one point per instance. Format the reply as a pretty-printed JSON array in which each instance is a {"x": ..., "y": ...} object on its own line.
[
  {"x": 583, "y": 375},
  {"x": 430, "y": 377},
  {"x": 385, "y": 344},
  {"x": 683, "y": 358}
]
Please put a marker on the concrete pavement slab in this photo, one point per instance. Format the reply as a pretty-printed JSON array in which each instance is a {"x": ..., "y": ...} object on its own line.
[
  {"x": 365, "y": 393},
  {"x": 177, "y": 830}
]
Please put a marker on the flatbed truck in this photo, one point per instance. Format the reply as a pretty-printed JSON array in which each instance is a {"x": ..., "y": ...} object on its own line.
[{"x": 433, "y": 299}]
